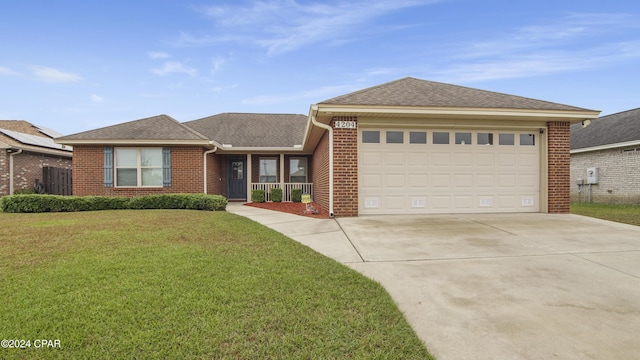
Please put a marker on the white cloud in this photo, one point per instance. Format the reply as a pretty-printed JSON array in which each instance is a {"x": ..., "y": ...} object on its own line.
[
  {"x": 280, "y": 26},
  {"x": 572, "y": 43},
  {"x": 217, "y": 64},
  {"x": 48, "y": 74},
  {"x": 171, "y": 67},
  {"x": 7, "y": 71},
  {"x": 158, "y": 55},
  {"x": 96, "y": 98}
]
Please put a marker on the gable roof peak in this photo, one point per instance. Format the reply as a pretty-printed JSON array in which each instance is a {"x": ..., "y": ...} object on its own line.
[
  {"x": 158, "y": 128},
  {"x": 413, "y": 92}
]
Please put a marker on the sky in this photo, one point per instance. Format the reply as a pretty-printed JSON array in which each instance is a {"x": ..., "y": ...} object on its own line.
[{"x": 74, "y": 66}]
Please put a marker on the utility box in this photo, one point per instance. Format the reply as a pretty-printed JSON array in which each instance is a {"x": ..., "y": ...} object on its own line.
[{"x": 592, "y": 175}]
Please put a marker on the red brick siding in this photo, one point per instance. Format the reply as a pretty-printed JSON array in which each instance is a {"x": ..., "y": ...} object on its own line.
[
  {"x": 216, "y": 175},
  {"x": 4, "y": 172},
  {"x": 320, "y": 172},
  {"x": 559, "y": 169},
  {"x": 88, "y": 173},
  {"x": 345, "y": 169},
  {"x": 27, "y": 167}
]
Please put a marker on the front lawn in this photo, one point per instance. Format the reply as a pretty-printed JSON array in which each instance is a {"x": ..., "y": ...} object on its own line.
[
  {"x": 181, "y": 284},
  {"x": 628, "y": 214}
]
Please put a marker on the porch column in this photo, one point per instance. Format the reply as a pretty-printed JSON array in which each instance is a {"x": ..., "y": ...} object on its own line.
[
  {"x": 282, "y": 174},
  {"x": 248, "y": 174}
]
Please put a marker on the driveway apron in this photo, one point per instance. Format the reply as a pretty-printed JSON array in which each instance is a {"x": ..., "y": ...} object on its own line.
[{"x": 494, "y": 286}]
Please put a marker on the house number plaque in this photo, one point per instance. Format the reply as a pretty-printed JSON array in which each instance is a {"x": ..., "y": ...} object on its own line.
[{"x": 345, "y": 125}]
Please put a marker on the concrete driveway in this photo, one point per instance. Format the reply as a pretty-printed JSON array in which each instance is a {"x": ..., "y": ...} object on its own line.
[{"x": 498, "y": 286}]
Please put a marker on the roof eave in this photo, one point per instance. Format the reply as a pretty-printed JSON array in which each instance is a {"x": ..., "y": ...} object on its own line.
[
  {"x": 605, "y": 147},
  {"x": 573, "y": 116},
  {"x": 74, "y": 142}
]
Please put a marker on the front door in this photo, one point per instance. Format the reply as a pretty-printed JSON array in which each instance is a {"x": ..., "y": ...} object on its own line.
[{"x": 237, "y": 189}]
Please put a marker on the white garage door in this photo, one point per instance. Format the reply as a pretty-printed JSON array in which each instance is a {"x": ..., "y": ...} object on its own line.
[{"x": 448, "y": 171}]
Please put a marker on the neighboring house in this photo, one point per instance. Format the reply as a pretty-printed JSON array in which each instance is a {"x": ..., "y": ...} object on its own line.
[
  {"x": 25, "y": 149},
  {"x": 409, "y": 146},
  {"x": 610, "y": 148}
]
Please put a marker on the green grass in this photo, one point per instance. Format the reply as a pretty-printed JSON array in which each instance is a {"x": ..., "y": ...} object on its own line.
[
  {"x": 628, "y": 214},
  {"x": 180, "y": 284}
]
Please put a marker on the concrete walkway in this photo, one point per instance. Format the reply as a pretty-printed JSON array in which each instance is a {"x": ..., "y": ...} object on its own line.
[{"x": 496, "y": 286}]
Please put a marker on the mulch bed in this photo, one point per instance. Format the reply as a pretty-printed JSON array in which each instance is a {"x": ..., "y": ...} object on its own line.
[{"x": 292, "y": 208}]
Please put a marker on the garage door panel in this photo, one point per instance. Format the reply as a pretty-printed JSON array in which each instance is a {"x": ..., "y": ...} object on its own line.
[
  {"x": 395, "y": 159},
  {"x": 441, "y": 202},
  {"x": 395, "y": 202},
  {"x": 395, "y": 181},
  {"x": 506, "y": 180},
  {"x": 371, "y": 158},
  {"x": 485, "y": 180},
  {"x": 506, "y": 160},
  {"x": 463, "y": 160},
  {"x": 417, "y": 159},
  {"x": 418, "y": 181},
  {"x": 423, "y": 177},
  {"x": 463, "y": 181},
  {"x": 371, "y": 182},
  {"x": 463, "y": 202},
  {"x": 441, "y": 181},
  {"x": 440, "y": 158},
  {"x": 485, "y": 160}
]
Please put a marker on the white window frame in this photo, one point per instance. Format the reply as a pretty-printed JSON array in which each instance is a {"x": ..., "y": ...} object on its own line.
[
  {"x": 261, "y": 175},
  {"x": 139, "y": 167},
  {"x": 306, "y": 169}
]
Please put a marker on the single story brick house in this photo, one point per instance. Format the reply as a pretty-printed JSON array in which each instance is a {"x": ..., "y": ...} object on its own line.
[
  {"x": 605, "y": 156},
  {"x": 24, "y": 150},
  {"x": 409, "y": 146}
]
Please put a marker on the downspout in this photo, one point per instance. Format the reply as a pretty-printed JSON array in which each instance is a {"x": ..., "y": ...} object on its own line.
[
  {"x": 11, "y": 155},
  {"x": 314, "y": 112},
  {"x": 215, "y": 148}
]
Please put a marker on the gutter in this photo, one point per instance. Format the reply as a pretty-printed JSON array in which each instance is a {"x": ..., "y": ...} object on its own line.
[
  {"x": 204, "y": 159},
  {"x": 11, "y": 155},
  {"x": 313, "y": 113}
]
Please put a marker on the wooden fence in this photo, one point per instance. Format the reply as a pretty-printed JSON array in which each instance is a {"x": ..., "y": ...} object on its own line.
[{"x": 55, "y": 181}]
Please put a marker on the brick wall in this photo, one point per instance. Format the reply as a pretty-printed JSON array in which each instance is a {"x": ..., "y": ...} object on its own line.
[
  {"x": 345, "y": 169},
  {"x": 559, "y": 170},
  {"x": 88, "y": 173},
  {"x": 216, "y": 175},
  {"x": 320, "y": 172},
  {"x": 27, "y": 167},
  {"x": 4, "y": 172},
  {"x": 618, "y": 175}
]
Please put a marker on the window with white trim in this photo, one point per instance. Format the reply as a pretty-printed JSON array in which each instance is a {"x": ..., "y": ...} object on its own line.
[
  {"x": 138, "y": 167},
  {"x": 268, "y": 170},
  {"x": 298, "y": 170}
]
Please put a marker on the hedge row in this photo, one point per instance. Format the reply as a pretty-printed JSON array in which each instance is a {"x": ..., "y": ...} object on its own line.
[{"x": 56, "y": 203}]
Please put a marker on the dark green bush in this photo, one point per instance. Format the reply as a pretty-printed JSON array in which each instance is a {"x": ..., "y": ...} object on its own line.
[
  {"x": 276, "y": 195},
  {"x": 56, "y": 203},
  {"x": 257, "y": 196},
  {"x": 24, "y": 191},
  {"x": 296, "y": 195}
]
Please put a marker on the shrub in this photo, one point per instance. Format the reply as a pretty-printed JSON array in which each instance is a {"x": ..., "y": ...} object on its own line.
[
  {"x": 56, "y": 203},
  {"x": 24, "y": 191},
  {"x": 257, "y": 196},
  {"x": 276, "y": 195},
  {"x": 296, "y": 195}
]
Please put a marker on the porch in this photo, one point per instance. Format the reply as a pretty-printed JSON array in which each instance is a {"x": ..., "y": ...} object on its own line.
[{"x": 307, "y": 188}]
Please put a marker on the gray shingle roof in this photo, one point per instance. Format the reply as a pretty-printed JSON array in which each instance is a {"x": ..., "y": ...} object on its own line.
[
  {"x": 253, "y": 130},
  {"x": 611, "y": 129},
  {"x": 422, "y": 93},
  {"x": 160, "y": 127}
]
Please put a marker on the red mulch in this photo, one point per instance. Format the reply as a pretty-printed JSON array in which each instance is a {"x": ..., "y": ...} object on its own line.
[{"x": 292, "y": 208}]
